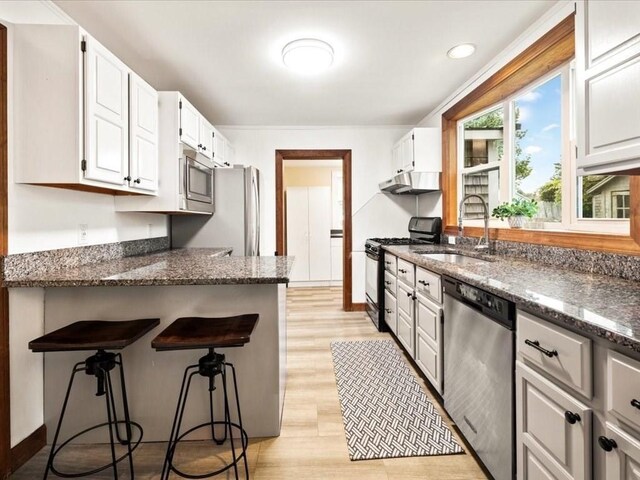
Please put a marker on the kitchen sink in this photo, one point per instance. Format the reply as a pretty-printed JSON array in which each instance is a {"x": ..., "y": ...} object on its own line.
[{"x": 456, "y": 258}]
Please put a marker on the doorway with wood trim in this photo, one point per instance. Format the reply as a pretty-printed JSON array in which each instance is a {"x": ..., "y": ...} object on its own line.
[
  {"x": 321, "y": 157},
  {"x": 5, "y": 414}
]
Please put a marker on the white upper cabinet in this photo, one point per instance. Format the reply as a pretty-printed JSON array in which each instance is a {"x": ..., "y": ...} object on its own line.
[
  {"x": 608, "y": 91},
  {"x": 106, "y": 115},
  {"x": 96, "y": 121},
  {"x": 206, "y": 138},
  {"x": 143, "y": 126},
  {"x": 189, "y": 124},
  {"x": 418, "y": 150}
]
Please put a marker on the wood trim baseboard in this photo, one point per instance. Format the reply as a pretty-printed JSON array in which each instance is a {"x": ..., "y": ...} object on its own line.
[
  {"x": 27, "y": 448},
  {"x": 358, "y": 307}
]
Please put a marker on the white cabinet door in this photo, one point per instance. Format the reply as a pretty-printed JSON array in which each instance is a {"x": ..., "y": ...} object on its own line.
[
  {"x": 406, "y": 150},
  {"x": 429, "y": 341},
  {"x": 390, "y": 312},
  {"x": 298, "y": 232},
  {"x": 622, "y": 454},
  {"x": 106, "y": 115},
  {"x": 396, "y": 158},
  {"x": 405, "y": 300},
  {"x": 319, "y": 233},
  {"x": 612, "y": 26},
  {"x": 405, "y": 332},
  {"x": 189, "y": 124},
  {"x": 553, "y": 425},
  {"x": 608, "y": 91},
  {"x": 229, "y": 154},
  {"x": 143, "y": 161},
  {"x": 336, "y": 259},
  {"x": 218, "y": 148},
  {"x": 205, "y": 145}
]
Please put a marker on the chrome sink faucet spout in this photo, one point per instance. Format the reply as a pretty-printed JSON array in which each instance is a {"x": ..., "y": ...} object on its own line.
[{"x": 483, "y": 243}]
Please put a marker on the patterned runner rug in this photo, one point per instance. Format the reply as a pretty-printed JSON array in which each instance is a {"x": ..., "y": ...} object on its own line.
[{"x": 385, "y": 411}]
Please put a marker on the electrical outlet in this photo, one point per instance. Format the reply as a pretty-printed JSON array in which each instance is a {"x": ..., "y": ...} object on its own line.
[
  {"x": 452, "y": 240},
  {"x": 83, "y": 233},
  {"x": 149, "y": 230}
]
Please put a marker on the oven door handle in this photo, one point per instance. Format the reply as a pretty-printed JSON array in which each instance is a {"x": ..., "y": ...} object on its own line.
[{"x": 372, "y": 256}]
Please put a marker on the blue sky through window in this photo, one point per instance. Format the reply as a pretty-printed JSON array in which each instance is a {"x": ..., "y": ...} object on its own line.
[{"x": 540, "y": 114}]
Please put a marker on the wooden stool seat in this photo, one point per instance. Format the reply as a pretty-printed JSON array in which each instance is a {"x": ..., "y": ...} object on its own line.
[
  {"x": 201, "y": 332},
  {"x": 94, "y": 335}
]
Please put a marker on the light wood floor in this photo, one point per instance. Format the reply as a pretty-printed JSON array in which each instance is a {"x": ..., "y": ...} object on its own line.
[{"x": 312, "y": 444}]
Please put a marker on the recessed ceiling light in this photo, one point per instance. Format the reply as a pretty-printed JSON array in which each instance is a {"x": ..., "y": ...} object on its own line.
[
  {"x": 461, "y": 51},
  {"x": 307, "y": 55}
]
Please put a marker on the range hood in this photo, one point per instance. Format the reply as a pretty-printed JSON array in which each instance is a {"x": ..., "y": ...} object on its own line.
[{"x": 412, "y": 183}]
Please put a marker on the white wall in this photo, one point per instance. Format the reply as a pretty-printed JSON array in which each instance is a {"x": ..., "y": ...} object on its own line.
[{"x": 374, "y": 213}]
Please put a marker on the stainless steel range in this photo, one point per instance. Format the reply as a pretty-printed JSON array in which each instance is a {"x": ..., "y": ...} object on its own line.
[{"x": 422, "y": 231}]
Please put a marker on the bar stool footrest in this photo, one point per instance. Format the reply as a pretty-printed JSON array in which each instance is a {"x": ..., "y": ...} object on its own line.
[
  {"x": 242, "y": 454},
  {"x": 135, "y": 445}
]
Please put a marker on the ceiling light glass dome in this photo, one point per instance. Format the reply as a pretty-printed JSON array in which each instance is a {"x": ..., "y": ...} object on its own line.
[{"x": 307, "y": 55}]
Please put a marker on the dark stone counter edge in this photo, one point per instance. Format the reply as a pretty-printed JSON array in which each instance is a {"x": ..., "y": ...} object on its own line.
[
  {"x": 547, "y": 313},
  {"x": 142, "y": 283}
]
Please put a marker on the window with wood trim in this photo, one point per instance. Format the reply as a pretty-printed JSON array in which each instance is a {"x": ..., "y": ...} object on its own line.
[{"x": 550, "y": 54}]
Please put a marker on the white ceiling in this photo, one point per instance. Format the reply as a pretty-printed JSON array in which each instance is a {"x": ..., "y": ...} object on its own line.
[{"x": 391, "y": 66}]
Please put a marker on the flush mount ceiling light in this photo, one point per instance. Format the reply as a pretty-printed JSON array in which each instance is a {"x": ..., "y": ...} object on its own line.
[
  {"x": 307, "y": 55},
  {"x": 461, "y": 51}
]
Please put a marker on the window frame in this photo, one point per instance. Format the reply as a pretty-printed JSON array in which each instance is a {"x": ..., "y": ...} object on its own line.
[{"x": 551, "y": 50}]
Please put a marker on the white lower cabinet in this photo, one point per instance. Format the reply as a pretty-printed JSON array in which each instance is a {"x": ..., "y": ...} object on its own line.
[
  {"x": 428, "y": 340},
  {"x": 553, "y": 426},
  {"x": 390, "y": 312},
  {"x": 418, "y": 320},
  {"x": 622, "y": 454},
  {"x": 405, "y": 332}
]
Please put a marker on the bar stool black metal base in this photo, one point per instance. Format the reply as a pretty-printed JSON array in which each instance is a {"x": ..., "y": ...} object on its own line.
[
  {"x": 210, "y": 366},
  {"x": 100, "y": 366}
]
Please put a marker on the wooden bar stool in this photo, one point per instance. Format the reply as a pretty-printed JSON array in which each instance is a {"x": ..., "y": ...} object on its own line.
[
  {"x": 99, "y": 336},
  {"x": 210, "y": 333}
]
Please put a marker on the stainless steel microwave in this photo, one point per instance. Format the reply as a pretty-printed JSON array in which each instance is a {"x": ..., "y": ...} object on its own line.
[{"x": 196, "y": 186}]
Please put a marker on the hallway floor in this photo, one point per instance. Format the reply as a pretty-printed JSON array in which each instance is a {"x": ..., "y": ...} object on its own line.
[{"x": 312, "y": 444}]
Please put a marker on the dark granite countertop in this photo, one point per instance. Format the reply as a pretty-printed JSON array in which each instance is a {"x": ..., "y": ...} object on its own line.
[
  {"x": 598, "y": 305},
  {"x": 192, "y": 266}
]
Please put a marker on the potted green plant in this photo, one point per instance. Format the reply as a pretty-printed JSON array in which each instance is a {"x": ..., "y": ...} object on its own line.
[{"x": 515, "y": 211}]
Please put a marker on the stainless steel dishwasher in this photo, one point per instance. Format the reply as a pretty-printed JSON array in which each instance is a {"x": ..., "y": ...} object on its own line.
[{"x": 479, "y": 372}]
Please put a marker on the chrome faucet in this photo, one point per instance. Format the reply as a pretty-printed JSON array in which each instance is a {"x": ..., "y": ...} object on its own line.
[{"x": 483, "y": 243}]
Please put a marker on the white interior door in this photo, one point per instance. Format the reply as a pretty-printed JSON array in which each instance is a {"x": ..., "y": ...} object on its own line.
[
  {"x": 298, "y": 232},
  {"x": 319, "y": 234},
  {"x": 144, "y": 134},
  {"x": 106, "y": 115}
]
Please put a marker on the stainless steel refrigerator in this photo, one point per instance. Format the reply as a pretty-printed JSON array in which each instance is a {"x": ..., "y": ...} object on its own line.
[{"x": 236, "y": 219}]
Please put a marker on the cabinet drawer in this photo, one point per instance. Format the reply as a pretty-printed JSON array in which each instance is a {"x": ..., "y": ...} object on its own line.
[
  {"x": 428, "y": 284},
  {"x": 390, "y": 312},
  {"x": 544, "y": 413},
  {"x": 570, "y": 359},
  {"x": 405, "y": 300},
  {"x": 405, "y": 332},
  {"x": 623, "y": 461},
  {"x": 390, "y": 263},
  {"x": 428, "y": 320},
  {"x": 390, "y": 282},
  {"x": 406, "y": 272},
  {"x": 429, "y": 360},
  {"x": 623, "y": 388}
]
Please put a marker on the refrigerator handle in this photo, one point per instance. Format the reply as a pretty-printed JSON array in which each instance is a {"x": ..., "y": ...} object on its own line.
[{"x": 257, "y": 212}]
